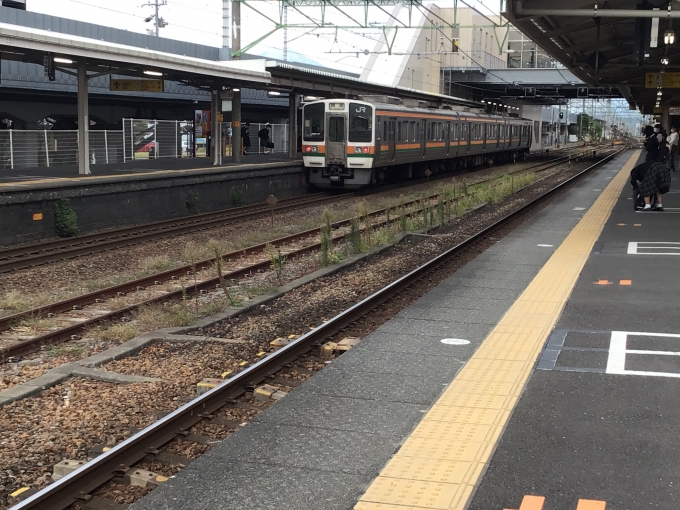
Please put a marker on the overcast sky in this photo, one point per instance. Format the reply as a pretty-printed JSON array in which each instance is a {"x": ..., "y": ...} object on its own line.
[{"x": 200, "y": 21}]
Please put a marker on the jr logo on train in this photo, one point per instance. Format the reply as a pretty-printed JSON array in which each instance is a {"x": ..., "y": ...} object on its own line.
[{"x": 351, "y": 144}]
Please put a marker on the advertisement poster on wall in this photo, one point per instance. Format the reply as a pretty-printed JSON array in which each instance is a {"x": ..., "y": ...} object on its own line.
[{"x": 201, "y": 132}]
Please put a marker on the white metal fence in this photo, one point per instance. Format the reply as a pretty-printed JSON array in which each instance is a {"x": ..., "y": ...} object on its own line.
[
  {"x": 278, "y": 134},
  {"x": 153, "y": 139},
  {"x": 139, "y": 139},
  {"x": 42, "y": 148}
]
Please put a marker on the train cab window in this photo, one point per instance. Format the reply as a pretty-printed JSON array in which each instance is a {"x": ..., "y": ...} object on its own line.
[
  {"x": 360, "y": 123},
  {"x": 313, "y": 121},
  {"x": 336, "y": 128}
]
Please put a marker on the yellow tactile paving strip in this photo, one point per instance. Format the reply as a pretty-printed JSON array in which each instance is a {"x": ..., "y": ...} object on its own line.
[{"x": 442, "y": 461}]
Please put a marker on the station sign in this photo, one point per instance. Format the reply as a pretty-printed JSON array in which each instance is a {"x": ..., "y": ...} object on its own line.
[
  {"x": 674, "y": 110},
  {"x": 117, "y": 85},
  {"x": 665, "y": 80}
]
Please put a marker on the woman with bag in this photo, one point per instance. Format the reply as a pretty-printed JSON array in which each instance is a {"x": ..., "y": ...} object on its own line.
[{"x": 265, "y": 141}]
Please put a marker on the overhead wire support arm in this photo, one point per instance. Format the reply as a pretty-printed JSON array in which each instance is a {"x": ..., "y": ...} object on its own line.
[{"x": 389, "y": 31}]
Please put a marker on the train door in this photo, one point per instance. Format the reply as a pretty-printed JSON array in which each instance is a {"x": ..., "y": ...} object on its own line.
[
  {"x": 378, "y": 140},
  {"x": 468, "y": 135},
  {"x": 485, "y": 135},
  {"x": 447, "y": 136},
  {"x": 423, "y": 137},
  {"x": 497, "y": 133},
  {"x": 391, "y": 142},
  {"x": 336, "y": 143}
]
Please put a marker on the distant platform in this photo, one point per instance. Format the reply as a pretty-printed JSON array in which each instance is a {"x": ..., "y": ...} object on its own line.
[
  {"x": 138, "y": 192},
  {"x": 21, "y": 178}
]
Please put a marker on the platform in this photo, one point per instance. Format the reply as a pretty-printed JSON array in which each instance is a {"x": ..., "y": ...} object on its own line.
[
  {"x": 139, "y": 192},
  {"x": 406, "y": 421},
  {"x": 40, "y": 177}
]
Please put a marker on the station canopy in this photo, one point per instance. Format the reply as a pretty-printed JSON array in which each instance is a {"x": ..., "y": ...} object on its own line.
[
  {"x": 618, "y": 44},
  {"x": 31, "y": 45}
]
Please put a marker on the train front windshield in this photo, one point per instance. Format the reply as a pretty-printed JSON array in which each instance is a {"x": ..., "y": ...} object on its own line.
[
  {"x": 313, "y": 122},
  {"x": 360, "y": 123}
]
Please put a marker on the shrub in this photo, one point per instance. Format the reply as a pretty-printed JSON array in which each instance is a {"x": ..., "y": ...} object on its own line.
[{"x": 65, "y": 219}]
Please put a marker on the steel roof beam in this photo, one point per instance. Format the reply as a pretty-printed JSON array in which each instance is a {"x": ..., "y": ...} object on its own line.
[{"x": 595, "y": 12}]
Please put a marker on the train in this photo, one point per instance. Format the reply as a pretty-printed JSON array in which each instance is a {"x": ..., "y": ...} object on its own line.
[{"x": 351, "y": 144}]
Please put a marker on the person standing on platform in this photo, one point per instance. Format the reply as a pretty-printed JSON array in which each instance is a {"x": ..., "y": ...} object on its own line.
[
  {"x": 653, "y": 143},
  {"x": 673, "y": 145},
  {"x": 657, "y": 181},
  {"x": 245, "y": 138},
  {"x": 263, "y": 135}
]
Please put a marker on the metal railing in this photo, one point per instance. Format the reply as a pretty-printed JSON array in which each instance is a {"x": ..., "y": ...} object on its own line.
[
  {"x": 43, "y": 148},
  {"x": 153, "y": 139},
  {"x": 278, "y": 134},
  {"x": 139, "y": 139},
  {"x": 477, "y": 59}
]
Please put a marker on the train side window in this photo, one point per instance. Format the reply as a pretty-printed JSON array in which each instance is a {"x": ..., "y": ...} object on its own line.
[{"x": 398, "y": 131}]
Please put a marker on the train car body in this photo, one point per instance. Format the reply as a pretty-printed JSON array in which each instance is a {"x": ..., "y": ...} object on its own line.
[{"x": 351, "y": 144}]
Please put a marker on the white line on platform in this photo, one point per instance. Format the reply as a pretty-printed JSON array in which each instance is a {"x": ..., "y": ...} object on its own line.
[
  {"x": 616, "y": 362},
  {"x": 545, "y": 245},
  {"x": 671, "y": 247}
]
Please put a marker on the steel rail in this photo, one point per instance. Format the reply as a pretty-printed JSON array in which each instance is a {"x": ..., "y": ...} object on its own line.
[
  {"x": 22, "y": 257},
  {"x": 76, "y": 485},
  {"x": 64, "y": 334},
  {"x": 29, "y": 256}
]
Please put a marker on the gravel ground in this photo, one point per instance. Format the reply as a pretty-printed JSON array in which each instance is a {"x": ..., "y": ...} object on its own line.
[
  {"x": 35, "y": 365},
  {"x": 39, "y": 432}
]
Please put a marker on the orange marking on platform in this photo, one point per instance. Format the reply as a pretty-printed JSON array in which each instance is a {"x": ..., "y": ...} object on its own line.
[
  {"x": 532, "y": 503},
  {"x": 591, "y": 504},
  {"x": 626, "y": 282},
  {"x": 602, "y": 282},
  {"x": 637, "y": 224}
]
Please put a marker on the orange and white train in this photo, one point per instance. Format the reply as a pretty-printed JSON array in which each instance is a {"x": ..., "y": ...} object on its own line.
[{"x": 351, "y": 144}]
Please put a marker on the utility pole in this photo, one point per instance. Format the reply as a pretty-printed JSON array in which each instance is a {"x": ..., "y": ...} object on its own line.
[
  {"x": 225, "y": 23},
  {"x": 236, "y": 99},
  {"x": 159, "y": 22},
  {"x": 285, "y": 33}
]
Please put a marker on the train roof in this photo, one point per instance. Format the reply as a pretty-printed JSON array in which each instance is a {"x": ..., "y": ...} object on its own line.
[{"x": 424, "y": 111}]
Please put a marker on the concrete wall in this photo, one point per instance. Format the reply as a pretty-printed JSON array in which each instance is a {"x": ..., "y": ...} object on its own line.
[{"x": 112, "y": 202}]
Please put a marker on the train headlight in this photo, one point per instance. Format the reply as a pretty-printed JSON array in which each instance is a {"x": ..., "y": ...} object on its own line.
[
  {"x": 308, "y": 149},
  {"x": 315, "y": 149},
  {"x": 357, "y": 150},
  {"x": 365, "y": 150}
]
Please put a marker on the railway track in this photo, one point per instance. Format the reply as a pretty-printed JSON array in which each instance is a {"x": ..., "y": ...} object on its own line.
[
  {"x": 76, "y": 486},
  {"x": 204, "y": 284},
  {"x": 22, "y": 257},
  {"x": 28, "y": 256}
]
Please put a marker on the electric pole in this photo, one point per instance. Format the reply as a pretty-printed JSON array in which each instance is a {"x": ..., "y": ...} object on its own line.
[
  {"x": 285, "y": 33},
  {"x": 159, "y": 22},
  {"x": 225, "y": 24}
]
